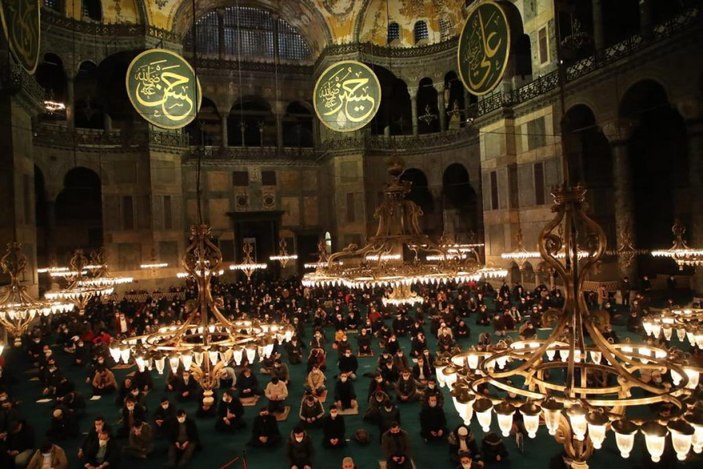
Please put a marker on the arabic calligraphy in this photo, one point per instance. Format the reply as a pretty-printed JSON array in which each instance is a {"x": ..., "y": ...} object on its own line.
[
  {"x": 347, "y": 96},
  {"x": 21, "y": 23},
  {"x": 484, "y": 48},
  {"x": 163, "y": 88}
]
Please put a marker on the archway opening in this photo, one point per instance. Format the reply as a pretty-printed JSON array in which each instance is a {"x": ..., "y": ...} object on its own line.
[
  {"x": 459, "y": 201},
  {"x": 297, "y": 126},
  {"x": 251, "y": 123},
  {"x": 427, "y": 108},
  {"x": 421, "y": 195}
]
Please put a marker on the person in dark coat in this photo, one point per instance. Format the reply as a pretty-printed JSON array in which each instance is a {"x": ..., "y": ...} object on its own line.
[
  {"x": 230, "y": 413},
  {"x": 311, "y": 410},
  {"x": 91, "y": 439},
  {"x": 299, "y": 449},
  {"x": 333, "y": 430},
  {"x": 462, "y": 440},
  {"x": 264, "y": 432},
  {"x": 186, "y": 387},
  {"x": 348, "y": 364},
  {"x": 63, "y": 424},
  {"x": 184, "y": 439},
  {"x": 433, "y": 422},
  {"x": 131, "y": 411},
  {"x": 395, "y": 444},
  {"x": 164, "y": 415},
  {"x": 19, "y": 445},
  {"x": 405, "y": 387},
  {"x": 363, "y": 342},
  {"x": 105, "y": 453},
  {"x": 493, "y": 448},
  {"x": 247, "y": 384},
  {"x": 344, "y": 394}
]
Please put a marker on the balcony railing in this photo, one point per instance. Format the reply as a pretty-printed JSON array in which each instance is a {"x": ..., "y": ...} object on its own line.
[
  {"x": 57, "y": 135},
  {"x": 253, "y": 153},
  {"x": 364, "y": 142}
]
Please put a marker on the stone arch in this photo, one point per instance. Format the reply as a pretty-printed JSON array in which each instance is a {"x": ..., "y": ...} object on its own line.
[
  {"x": 420, "y": 194},
  {"x": 41, "y": 218},
  {"x": 112, "y": 93},
  {"x": 454, "y": 100},
  {"x": 88, "y": 110},
  {"x": 427, "y": 107},
  {"x": 51, "y": 75},
  {"x": 79, "y": 220},
  {"x": 297, "y": 125},
  {"x": 251, "y": 119},
  {"x": 514, "y": 273},
  {"x": 459, "y": 200},
  {"x": 394, "y": 114},
  {"x": 528, "y": 273},
  {"x": 206, "y": 128}
]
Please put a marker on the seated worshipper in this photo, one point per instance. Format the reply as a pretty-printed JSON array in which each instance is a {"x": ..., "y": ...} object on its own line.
[
  {"x": 396, "y": 448},
  {"x": 433, "y": 422},
  {"x": 124, "y": 389},
  {"x": 466, "y": 461},
  {"x": 375, "y": 403},
  {"x": 164, "y": 415},
  {"x": 48, "y": 456},
  {"x": 311, "y": 410},
  {"x": 63, "y": 424},
  {"x": 264, "y": 431},
  {"x": 294, "y": 348},
  {"x": 348, "y": 463},
  {"x": 422, "y": 371},
  {"x": 493, "y": 449},
  {"x": 299, "y": 449},
  {"x": 333, "y": 430},
  {"x": 91, "y": 439},
  {"x": 131, "y": 411},
  {"x": 143, "y": 381},
  {"x": 103, "y": 381},
  {"x": 400, "y": 361},
  {"x": 376, "y": 384},
  {"x": 392, "y": 344},
  {"x": 230, "y": 412},
  {"x": 72, "y": 400},
  {"x": 348, "y": 364},
  {"x": 183, "y": 438},
  {"x": 248, "y": 384},
  {"x": 363, "y": 341},
  {"x": 344, "y": 394},
  {"x": 462, "y": 329},
  {"x": 207, "y": 406},
  {"x": 387, "y": 414},
  {"x": 405, "y": 387},
  {"x": 276, "y": 392},
  {"x": 527, "y": 331},
  {"x": 18, "y": 446},
  {"x": 226, "y": 378},
  {"x": 462, "y": 440},
  {"x": 104, "y": 454},
  {"x": 434, "y": 390},
  {"x": 390, "y": 374},
  {"x": 280, "y": 371},
  {"x": 317, "y": 356},
  {"x": 141, "y": 440},
  {"x": 186, "y": 387},
  {"x": 315, "y": 382}
]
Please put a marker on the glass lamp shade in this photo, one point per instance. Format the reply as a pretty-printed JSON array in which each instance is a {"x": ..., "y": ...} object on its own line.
[
  {"x": 597, "y": 429},
  {"x": 656, "y": 330},
  {"x": 198, "y": 357},
  {"x": 675, "y": 377},
  {"x": 693, "y": 377},
  {"x": 667, "y": 332},
  {"x": 550, "y": 354},
  {"x": 596, "y": 356},
  {"x": 505, "y": 412},
  {"x": 238, "y": 353},
  {"x": 681, "y": 334},
  {"x": 551, "y": 409},
  {"x": 160, "y": 364},
  {"x": 482, "y": 408},
  {"x": 681, "y": 437},
  {"x": 251, "y": 353},
  {"x": 214, "y": 357},
  {"x": 647, "y": 326},
  {"x": 577, "y": 419},
  {"x": 654, "y": 438},
  {"x": 624, "y": 436},
  {"x": 530, "y": 418},
  {"x": 187, "y": 360},
  {"x": 696, "y": 420},
  {"x": 141, "y": 362},
  {"x": 463, "y": 401},
  {"x": 124, "y": 354},
  {"x": 472, "y": 360},
  {"x": 115, "y": 351},
  {"x": 450, "y": 376},
  {"x": 2, "y": 347},
  {"x": 173, "y": 363}
]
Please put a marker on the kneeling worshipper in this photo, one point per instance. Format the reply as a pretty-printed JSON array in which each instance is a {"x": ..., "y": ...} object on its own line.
[
  {"x": 333, "y": 430},
  {"x": 264, "y": 432},
  {"x": 230, "y": 413}
]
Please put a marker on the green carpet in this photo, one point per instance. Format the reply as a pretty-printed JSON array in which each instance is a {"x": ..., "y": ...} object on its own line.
[{"x": 219, "y": 449}]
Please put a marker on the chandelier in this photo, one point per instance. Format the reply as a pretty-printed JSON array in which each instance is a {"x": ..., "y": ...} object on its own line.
[
  {"x": 87, "y": 279},
  {"x": 680, "y": 252},
  {"x": 206, "y": 341},
  {"x": 688, "y": 324},
  {"x": 248, "y": 266},
  {"x": 283, "y": 257},
  {"x": 579, "y": 382},
  {"x": 399, "y": 255},
  {"x": 17, "y": 308}
]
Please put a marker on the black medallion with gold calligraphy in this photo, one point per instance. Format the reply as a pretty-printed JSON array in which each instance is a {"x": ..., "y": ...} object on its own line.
[
  {"x": 347, "y": 96},
  {"x": 484, "y": 48},
  {"x": 163, "y": 88},
  {"x": 21, "y": 23}
]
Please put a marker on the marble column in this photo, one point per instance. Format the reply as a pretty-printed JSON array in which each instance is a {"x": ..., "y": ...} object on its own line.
[
  {"x": 598, "y": 34},
  {"x": 50, "y": 231},
  {"x": 692, "y": 112},
  {"x": 413, "y": 109},
  {"x": 618, "y": 133},
  {"x": 441, "y": 106},
  {"x": 646, "y": 18},
  {"x": 224, "y": 137},
  {"x": 221, "y": 33},
  {"x": 279, "y": 112},
  {"x": 70, "y": 104}
]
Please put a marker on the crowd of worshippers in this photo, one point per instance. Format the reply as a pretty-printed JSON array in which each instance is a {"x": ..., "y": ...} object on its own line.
[{"x": 400, "y": 377}]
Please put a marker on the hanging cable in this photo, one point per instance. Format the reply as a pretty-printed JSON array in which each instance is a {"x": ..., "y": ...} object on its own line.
[{"x": 201, "y": 148}]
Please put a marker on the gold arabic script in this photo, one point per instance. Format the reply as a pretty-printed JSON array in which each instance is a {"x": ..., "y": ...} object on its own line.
[
  {"x": 347, "y": 95},
  {"x": 159, "y": 86}
]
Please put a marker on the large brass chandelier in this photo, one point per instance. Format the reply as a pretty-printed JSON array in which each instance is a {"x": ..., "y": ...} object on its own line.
[
  {"x": 580, "y": 383},
  {"x": 17, "y": 307},
  {"x": 680, "y": 252},
  {"x": 206, "y": 341},
  {"x": 86, "y": 279},
  {"x": 399, "y": 255},
  {"x": 686, "y": 322}
]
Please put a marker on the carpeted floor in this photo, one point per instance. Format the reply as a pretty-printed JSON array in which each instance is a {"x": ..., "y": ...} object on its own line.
[{"x": 219, "y": 449}]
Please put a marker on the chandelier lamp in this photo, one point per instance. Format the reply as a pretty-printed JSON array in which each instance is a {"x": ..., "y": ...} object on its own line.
[
  {"x": 686, "y": 323},
  {"x": 683, "y": 255},
  {"x": 248, "y": 266},
  {"x": 580, "y": 383},
  {"x": 207, "y": 341},
  {"x": 17, "y": 307},
  {"x": 399, "y": 255},
  {"x": 87, "y": 279},
  {"x": 283, "y": 257}
]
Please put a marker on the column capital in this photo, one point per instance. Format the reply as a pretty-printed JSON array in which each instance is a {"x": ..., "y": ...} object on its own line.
[
  {"x": 439, "y": 87},
  {"x": 690, "y": 108},
  {"x": 618, "y": 131},
  {"x": 412, "y": 92}
]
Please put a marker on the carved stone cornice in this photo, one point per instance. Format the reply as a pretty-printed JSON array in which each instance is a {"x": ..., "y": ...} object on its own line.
[{"x": 618, "y": 131}]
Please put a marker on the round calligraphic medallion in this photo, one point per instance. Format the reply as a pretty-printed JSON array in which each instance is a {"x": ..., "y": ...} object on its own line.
[
  {"x": 163, "y": 88},
  {"x": 21, "y": 23},
  {"x": 484, "y": 48},
  {"x": 347, "y": 96}
]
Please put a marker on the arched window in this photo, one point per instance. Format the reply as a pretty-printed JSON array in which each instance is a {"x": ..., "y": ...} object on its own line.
[
  {"x": 421, "y": 31},
  {"x": 446, "y": 28},
  {"x": 53, "y": 4},
  {"x": 92, "y": 9},
  {"x": 248, "y": 32},
  {"x": 393, "y": 32}
]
